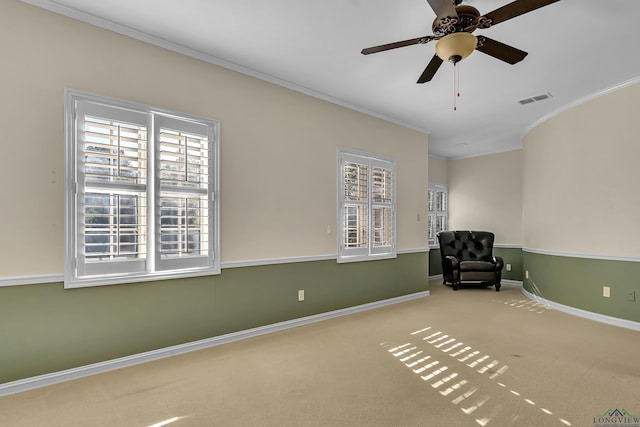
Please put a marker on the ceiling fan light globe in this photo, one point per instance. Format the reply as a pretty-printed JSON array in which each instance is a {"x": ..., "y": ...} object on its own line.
[{"x": 456, "y": 47}]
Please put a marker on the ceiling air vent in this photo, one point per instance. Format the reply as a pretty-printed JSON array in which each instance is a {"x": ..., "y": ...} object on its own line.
[{"x": 536, "y": 98}]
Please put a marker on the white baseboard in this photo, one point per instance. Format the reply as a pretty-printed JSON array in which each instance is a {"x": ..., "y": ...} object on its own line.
[
  {"x": 135, "y": 359},
  {"x": 509, "y": 281},
  {"x": 615, "y": 321}
]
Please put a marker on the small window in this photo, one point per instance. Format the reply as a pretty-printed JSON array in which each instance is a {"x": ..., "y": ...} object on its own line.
[
  {"x": 140, "y": 186},
  {"x": 438, "y": 216},
  {"x": 366, "y": 188}
]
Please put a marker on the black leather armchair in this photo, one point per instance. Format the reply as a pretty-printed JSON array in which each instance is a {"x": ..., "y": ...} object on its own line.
[{"x": 467, "y": 257}]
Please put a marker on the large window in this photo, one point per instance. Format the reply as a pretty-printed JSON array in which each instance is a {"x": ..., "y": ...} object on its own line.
[
  {"x": 366, "y": 211},
  {"x": 438, "y": 216},
  {"x": 140, "y": 187}
]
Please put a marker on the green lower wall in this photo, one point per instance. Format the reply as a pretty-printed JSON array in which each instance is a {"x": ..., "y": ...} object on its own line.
[
  {"x": 574, "y": 282},
  {"x": 435, "y": 264},
  {"x": 511, "y": 256},
  {"x": 578, "y": 282},
  {"x": 45, "y": 328}
]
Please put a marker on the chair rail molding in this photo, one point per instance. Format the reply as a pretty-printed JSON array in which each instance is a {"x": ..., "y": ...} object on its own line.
[{"x": 581, "y": 255}]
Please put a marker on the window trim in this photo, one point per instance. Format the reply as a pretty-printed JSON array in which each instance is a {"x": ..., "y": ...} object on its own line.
[
  {"x": 369, "y": 253},
  {"x": 71, "y": 232}
]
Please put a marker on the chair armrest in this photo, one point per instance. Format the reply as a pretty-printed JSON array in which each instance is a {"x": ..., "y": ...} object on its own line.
[
  {"x": 499, "y": 262},
  {"x": 451, "y": 262}
]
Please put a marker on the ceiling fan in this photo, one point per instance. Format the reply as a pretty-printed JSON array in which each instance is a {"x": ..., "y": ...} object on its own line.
[{"x": 452, "y": 29}]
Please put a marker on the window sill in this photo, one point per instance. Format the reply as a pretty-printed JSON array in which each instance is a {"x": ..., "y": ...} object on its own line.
[
  {"x": 358, "y": 258},
  {"x": 117, "y": 279}
]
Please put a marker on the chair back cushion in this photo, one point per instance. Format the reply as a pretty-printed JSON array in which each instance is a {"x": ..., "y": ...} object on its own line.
[{"x": 467, "y": 245}]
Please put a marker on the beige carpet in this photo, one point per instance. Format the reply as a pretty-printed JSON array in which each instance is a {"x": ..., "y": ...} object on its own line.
[{"x": 467, "y": 358}]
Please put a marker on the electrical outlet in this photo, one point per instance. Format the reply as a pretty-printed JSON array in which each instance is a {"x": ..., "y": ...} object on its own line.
[
  {"x": 508, "y": 267},
  {"x": 526, "y": 274},
  {"x": 301, "y": 295},
  {"x": 631, "y": 295},
  {"x": 606, "y": 291}
]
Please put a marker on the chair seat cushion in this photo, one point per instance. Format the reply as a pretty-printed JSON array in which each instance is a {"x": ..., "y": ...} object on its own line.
[{"x": 477, "y": 266}]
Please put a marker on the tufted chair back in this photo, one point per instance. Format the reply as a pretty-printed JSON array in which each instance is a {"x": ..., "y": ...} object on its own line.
[{"x": 467, "y": 245}]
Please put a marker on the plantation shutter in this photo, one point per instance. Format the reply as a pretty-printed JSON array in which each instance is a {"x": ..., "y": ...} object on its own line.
[
  {"x": 382, "y": 206},
  {"x": 367, "y": 208},
  {"x": 139, "y": 193},
  {"x": 438, "y": 212},
  {"x": 355, "y": 205},
  {"x": 111, "y": 156},
  {"x": 184, "y": 167}
]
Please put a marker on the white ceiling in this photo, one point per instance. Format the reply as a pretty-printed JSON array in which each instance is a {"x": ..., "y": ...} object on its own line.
[{"x": 577, "y": 48}]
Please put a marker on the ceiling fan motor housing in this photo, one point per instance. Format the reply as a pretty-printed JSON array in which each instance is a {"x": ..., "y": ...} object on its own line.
[{"x": 465, "y": 22}]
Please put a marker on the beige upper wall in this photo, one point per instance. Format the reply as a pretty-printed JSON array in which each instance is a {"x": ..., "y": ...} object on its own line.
[
  {"x": 581, "y": 178},
  {"x": 437, "y": 171},
  {"x": 278, "y": 147},
  {"x": 485, "y": 193}
]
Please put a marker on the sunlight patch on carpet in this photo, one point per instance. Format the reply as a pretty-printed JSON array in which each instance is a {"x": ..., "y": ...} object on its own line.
[{"x": 458, "y": 377}]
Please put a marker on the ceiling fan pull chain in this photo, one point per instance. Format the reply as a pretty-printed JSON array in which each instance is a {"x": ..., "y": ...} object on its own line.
[
  {"x": 457, "y": 79},
  {"x": 456, "y": 89}
]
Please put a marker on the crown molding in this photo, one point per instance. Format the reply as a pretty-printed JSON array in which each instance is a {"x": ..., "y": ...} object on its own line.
[
  {"x": 55, "y": 7},
  {"x": 579, "y": 102}
]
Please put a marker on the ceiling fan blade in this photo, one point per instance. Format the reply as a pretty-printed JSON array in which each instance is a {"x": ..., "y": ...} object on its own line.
[
  {"x": 516, "y": 8},
  {"x": 443, "y": 8},
  {"x": 500, "y": 51},
  {"x": 395, "y": 45},
  {"x": 431, "y": 69}
]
